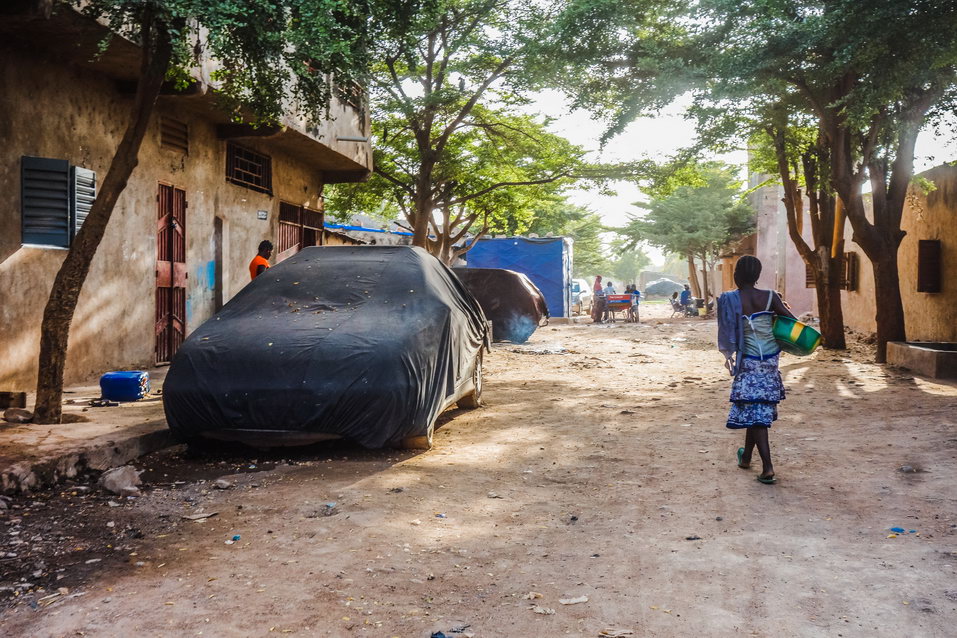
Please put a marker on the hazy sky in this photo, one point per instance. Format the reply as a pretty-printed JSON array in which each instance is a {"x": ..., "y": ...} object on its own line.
[{"x": 662, "y": 136}]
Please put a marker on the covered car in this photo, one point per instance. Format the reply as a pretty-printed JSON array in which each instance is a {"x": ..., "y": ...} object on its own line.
[
  {"x": 366, "y": 343},
  {"x": 514, "y": 305}
]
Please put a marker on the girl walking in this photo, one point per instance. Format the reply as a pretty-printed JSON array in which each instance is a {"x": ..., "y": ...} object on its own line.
[{"x": 745, "y": 318}]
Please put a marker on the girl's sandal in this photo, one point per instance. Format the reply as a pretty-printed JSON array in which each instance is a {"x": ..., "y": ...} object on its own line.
[
  {"x": 740, "y": 456},
  {"x": 767, "y": 480}
]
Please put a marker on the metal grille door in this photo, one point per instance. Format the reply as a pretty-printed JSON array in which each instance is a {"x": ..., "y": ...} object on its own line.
[{"x": 170, "y": 271}]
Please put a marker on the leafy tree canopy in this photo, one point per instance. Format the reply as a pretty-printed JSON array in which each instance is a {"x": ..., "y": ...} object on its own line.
[
  {"x": 455, "y": 151},
  {"x": 493, "y": 176},
  {"x": 698, "y": 220}
]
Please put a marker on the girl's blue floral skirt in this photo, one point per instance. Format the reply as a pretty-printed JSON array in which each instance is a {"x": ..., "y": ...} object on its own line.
[{"x": 755, "y": 394}]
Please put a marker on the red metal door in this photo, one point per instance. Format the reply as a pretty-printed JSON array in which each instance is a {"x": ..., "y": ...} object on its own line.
[{"x": 170, "y": 271}]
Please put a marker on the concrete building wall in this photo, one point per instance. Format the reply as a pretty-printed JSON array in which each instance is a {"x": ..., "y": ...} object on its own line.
[
  {"x": 56, "y": 111},
  {"x": 928, "y": 316},
  {"x": 783, "y": 269}
]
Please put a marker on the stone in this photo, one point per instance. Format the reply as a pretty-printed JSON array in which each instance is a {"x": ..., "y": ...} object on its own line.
[
  {"x": 222, "y": 484},
  {"x": 17, "y": 415}
]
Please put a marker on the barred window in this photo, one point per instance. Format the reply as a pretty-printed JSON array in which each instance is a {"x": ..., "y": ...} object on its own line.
[
  {"x": 299, "y": 227},
  {"x": 248, "y": 168}
]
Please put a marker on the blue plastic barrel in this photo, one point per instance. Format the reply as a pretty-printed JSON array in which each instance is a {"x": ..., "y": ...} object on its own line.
[{"x": 130, "y": 385}]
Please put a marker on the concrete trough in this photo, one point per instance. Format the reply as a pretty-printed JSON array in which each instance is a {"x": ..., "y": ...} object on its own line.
[{"x": 931, "y": 359}]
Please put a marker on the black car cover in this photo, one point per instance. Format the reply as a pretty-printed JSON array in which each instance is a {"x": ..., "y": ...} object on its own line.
[
  {"x": 368, "y": 343},
  {"x": 514, "y": 305}
]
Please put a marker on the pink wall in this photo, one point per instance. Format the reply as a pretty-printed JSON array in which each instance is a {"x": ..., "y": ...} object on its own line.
[{"x": 782, "y": 267}]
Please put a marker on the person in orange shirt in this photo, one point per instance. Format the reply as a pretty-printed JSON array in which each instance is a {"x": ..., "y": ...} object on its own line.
[{"x": 260, "y": 262}]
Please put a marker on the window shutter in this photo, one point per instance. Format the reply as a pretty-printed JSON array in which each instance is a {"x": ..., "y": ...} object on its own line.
[
  {"x": 84, "y": 192},
  {"x": 928, "y": 265},
  {"x": 850, "y": 271},
  {"x": 45, "y": 201},
  {"x": 174, "y": 134},
  {"x": 809, "y": 276}
]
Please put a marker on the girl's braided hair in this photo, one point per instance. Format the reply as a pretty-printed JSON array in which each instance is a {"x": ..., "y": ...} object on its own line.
[{"x": 747, "y": 271}]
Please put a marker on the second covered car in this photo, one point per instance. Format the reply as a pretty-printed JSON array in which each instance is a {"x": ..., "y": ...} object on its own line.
[{"x": 514, "y": 305}]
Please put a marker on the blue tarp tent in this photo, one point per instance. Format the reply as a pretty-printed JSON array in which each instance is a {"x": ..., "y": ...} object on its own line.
[{"x": 547, "y": 261}]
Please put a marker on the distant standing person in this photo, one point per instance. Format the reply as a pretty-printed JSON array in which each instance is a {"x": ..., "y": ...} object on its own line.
[
  {"x": 598, "y": 301},
  {"x": 260, "y": 262},
  {"x": 609, "y": 290},
  {"x": 635, "y": 300},
  {"x": 745, "y": 319}
]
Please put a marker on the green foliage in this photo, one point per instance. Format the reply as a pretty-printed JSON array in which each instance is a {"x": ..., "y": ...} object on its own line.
[
  {"x": 626, "y": 264},
  {"x": 272, "y": 56},
  {"x": 695, "y": 220}
]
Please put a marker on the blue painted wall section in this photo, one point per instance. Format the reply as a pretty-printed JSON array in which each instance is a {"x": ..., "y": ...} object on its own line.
[{"x": 546, "y": 260}]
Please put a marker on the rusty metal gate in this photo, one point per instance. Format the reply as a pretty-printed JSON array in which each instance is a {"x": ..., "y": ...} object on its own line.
[{"x": 170, "y": 271}]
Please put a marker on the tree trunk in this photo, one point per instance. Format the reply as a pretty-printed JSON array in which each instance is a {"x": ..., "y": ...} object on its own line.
[
  {"x": 420, "y": 225},
  {"x": 888, "y": 302},
  {"x": 706, "y": 288},
  {"x": 693, "y": 277},
  {"x": 828, "y": 289},
  {"x": 58, "y": 313}
]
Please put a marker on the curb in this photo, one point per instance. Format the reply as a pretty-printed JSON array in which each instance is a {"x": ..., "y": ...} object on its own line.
[{"x": 102, "y": 453}]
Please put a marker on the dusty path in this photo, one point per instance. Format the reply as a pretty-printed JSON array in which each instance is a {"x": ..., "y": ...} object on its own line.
[{"x": 603, "y": 472}]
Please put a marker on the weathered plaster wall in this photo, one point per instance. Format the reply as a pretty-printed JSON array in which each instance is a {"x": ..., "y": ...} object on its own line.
[
  {"x": 928, "y": 317},
  {"x": 55, "y": 111}
]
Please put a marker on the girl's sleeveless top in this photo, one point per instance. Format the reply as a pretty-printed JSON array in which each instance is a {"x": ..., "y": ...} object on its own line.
[{"x": 759, "y": 340}]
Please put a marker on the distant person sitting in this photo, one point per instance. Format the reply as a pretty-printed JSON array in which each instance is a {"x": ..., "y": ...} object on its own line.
[
  {"x": 686, "y": 297},
  {"x": 260, "y": 262}
]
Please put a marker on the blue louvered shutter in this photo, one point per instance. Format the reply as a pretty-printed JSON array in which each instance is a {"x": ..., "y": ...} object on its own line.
[
  {"x": 45, "y": 201},
  {"x": 84, "y": 192}
]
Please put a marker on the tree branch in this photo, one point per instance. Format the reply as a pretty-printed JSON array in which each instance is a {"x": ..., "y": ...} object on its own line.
[
  {"x": 472, "y": 101},
  {"x": 406, "y": 187},
  {"x": 479, "y": 193}
]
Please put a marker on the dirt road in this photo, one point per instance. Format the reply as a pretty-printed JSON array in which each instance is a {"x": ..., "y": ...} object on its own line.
[{"x": 600, "y": 468}]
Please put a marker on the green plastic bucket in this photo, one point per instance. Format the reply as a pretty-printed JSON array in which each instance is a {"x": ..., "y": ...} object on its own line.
[{"x": 795, "y": 337}]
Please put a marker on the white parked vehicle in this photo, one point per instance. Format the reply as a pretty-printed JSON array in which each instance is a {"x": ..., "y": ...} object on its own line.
[{"x": 582, "y": 297}]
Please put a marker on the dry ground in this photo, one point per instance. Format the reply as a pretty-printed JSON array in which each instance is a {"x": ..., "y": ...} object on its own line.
[{"x": 604, "y": 471}]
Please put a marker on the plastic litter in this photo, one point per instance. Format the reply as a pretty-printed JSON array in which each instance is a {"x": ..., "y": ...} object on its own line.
[
  {"x": 573, "y": 601},
  {"x": 544, "y": 611},
  {"x": 122, "y": 480},
  {"x": 199, "y": 516},
  {"x": 897, "y": 530}
]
